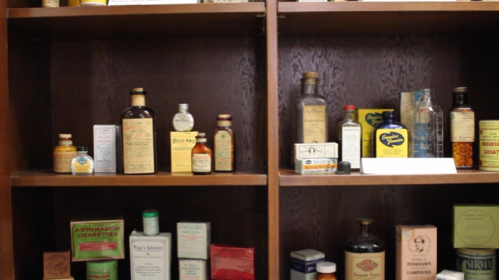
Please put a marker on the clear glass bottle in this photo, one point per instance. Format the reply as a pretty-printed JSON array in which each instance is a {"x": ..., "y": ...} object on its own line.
[
  {"x": 201, "y": 156},
  {"x": 365, "y": 254},
  {"x": 82, "y": 163},
  {"x": 139, "y": 136},
  {"x": 350, "y": 138},
  {"x": 390, "y": 138},
  {"x": 326, "y": 270},
  {"x": 310, "y": 118},
  {"x": 224, "y": 144},
  {"x": 183, "y": 120},
  {"x": 462, "y": 128},
  {"x": 64, "y": 152},
  {"x": 428, "y": 135}
]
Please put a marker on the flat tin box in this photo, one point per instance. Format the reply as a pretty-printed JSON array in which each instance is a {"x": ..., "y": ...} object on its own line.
[
  {"x": 476, "y": 226},
  {"x": 97, "y": 240}
]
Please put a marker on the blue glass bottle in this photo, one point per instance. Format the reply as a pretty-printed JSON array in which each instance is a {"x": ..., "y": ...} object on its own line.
[{"x": 390, "y": 138}]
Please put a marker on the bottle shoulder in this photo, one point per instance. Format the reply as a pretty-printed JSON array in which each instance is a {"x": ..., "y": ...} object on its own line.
[
  {"x": 310, "y": 99},
  {"x": 362, "y": 244},
  {"x": 68, "y": 148},
  {"x": 138, "y": 112}
]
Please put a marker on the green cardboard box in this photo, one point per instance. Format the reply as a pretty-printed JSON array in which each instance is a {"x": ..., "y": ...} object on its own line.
[{"x": 476, "y": 226}]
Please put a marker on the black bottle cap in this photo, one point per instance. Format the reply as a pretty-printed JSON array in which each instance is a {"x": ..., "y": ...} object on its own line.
[
  {"x": 81, "y": 148},
  {"x": 389, "y": 114},
  {"x": 343, "y": 168}
]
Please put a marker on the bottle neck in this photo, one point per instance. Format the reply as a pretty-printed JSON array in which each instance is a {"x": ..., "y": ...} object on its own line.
[
  {"x": 138, "y": 100},
  {"x": 460, "y": 98},
  {"x": 349, "y": 115},
  {"x": 82, "y": 153},
  {"x": 365, "y": 229},
  {"x": 309, "y": 87},
  {"x": 65, "y": 142}
]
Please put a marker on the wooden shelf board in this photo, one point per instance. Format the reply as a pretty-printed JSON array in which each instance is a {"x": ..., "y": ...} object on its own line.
[
  {"x": 136, "y": 22},
  {"x": 348, "y": 18},
  {"x": 244, "y": 176},
  {"x": 288, "y": 178}
]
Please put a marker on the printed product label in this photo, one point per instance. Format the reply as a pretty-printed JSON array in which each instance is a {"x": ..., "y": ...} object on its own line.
[
  {"x": 223, "y": 151},
  {"x": 181, "y": 148},
  {"x": 462, "y": 126},
  {"x": 105, "y": 148},
  {"x": 350, "y": 145},
  {"x": 192, "y": 241},
  {"x": 148, "y": 259},
  {"x": 314, "y": 124},
  {"x": 103, "y": 271},
  {"x": 489, "y": 149},
  {"x": 416, "y": 254},
  {"x": 150, "y": 225},
  {"x": 369, "y": 119},
  {"x": 475, "y": 227},
  {"x": 62, "y": 161},
  {"x": 201, "y": 163},
  {"x": 477, "y": 266},
  {"x": 93, "y": 2},
  {"x": 391, "y": 143},
  {"x": 97, "y": 240},
  {"x": 138, "y": 146},
  {"x": 366, "y": 266},
  {"x": 192, "y": 269},
  {"x": 81, "y": 165}
]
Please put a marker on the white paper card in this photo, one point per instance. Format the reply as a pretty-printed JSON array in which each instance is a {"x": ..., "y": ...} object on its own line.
[
  {"x": 149, "y": 2},
  {"x": 408, "y": 166}
]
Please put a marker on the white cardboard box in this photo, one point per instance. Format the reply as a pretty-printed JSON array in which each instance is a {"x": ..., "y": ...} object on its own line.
[
  {"x": 192, "y": 269},
  {"x": 303, "y": 264},
  {"x": 105, "y": 148},
  {"x": 193, "y": 240},
  {"x": 150, "y": 256}
]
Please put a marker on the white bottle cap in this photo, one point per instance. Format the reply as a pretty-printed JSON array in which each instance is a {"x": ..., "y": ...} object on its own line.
[
  {"x": 183, "y": 106},
  {"x": 326, "y": 267}
]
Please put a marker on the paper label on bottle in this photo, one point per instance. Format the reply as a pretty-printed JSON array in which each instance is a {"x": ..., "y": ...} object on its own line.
[
  {"x": 462, "y": 126},
  {"x": 364, "y": 266},
  {"x": 201, "y": 163},
  {"x": 223, "y": 151},
  {"x": 138, "y": 146},
  {"x": 350, "y": 145},
  {"x": 314, "y": 124},
  {"x": 391, "y": 143},
  {"x": 62, "y": 161},
  {"x": 489, "y": 149},
  {"x": 81, "y": 165},
  {"x": 183, "y": 122}
]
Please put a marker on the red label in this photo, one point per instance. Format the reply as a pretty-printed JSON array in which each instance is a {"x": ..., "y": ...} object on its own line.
[
  {"x": 98, "y": 246},
  {"x": 367, "y": 265}
]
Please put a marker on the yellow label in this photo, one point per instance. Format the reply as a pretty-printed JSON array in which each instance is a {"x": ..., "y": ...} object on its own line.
[
  {"x": 391, "y": 143},
  {"x": 81, "y": 165},
  {"x": 223, "y": 151},
  {"x": 369, "y": 119},
  {"x": 314, "y": 124},
  {"x": 462, "y": 126},
  {"x": 62, "y": 161},
  {"x": 94, "y": 2},
  {"x": 181, "y": 144},
  {"x": 365, "y": 266},
  {"x": 138, "y": 146},
  {"x": 320, "y": 166},
  {"x": 201, "y": 163},
  {"x": 489, "y": 149}
]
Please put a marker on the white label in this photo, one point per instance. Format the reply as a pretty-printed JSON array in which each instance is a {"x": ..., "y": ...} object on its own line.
[
  {"x": 105, "y": 148},
  {"x": 148, "y": 259},
  {"x": 350, "y": 146},
  {"x": 192, "y": 240},
  {"x": 462, "y": 126},
  {"x": 192, "y": 269},
  {"x": 201, "y": 163},
  {"x": 401, "y": 166},
  {"x": 151, "y": 226}
]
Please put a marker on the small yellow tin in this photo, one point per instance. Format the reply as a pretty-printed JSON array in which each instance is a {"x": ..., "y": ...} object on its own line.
[{"x": 489, "y": 145}]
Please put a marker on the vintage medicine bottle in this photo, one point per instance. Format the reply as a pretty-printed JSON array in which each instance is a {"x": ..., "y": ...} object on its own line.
[
  {"x": 462, "y": 128},
  {"x": 390, "y": 138},
  {"x": 150, "y": 221},
  {"x": 139, "y": 136},
  {"x": 82, "y": 163},
  {"x": 428, "y": 127},
  {"x": 350, "y": 138},
  {"x": 326, "y": 270},
  {"x": 201, "y": 156},
  {"x": 310, "y": 118},
  {"x": 365, "y": 254},
  {"x": 224, "y": 144},
  {"x": 183, "y": 120},
  {"x": 64, "y": 152}
]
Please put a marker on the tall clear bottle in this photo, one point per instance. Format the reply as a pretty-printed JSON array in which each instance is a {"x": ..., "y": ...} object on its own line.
[
  {"x": 365, "y": 254},
  {"x": 428, "y": 132},
  {"x": 350, "y": 137},
  {"x": 462, "y": 128},
  {"x": 310, "y": 119},
  {"x": 139, "y": 136}
]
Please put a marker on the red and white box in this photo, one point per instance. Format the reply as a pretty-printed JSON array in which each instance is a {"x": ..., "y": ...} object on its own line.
[{"x": 230, "y": 262}]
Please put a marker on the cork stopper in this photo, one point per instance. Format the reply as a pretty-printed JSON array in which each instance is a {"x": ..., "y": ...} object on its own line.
[
  {"x": 365, "y": 221},
  {"x": 310, "y": 75},
  {"x": 65, "y": 135},
  {"x": 460, "y": 89},
  {"x": 138, "y": 90}
]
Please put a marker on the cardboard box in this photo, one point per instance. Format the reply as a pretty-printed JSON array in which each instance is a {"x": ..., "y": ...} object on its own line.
[
  {"x": 193, "y": 240},
  {"x": 230, "y": 262},
  {"x": 105, "y": 148},
  {"x": 150, "y": 256},
  {"x": 56, "y": 265},
  {"x": 475, "y": 226},
  {"x": 316, "y": 150},
  {"x": 450, "y": 275},
  {"x": 97, "y": 240},
  {"x": 181, "y": 144},
  {"x": 318, "y": 165},
  {"x": 303, "y": 264},
  {"x": 369, "y": 119},
  {"x": 416, "y": 248},
  {"x": 192, "y": 270}
]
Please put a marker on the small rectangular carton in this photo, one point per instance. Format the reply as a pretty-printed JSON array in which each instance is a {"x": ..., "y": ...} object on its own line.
[
  {"x": 316, "y": 150},
  {"x": 408, "y": 102},
  {"x": 416, "y": 248},
  {"x": 193, "y": 240},
  {"x": 181, "y": 144},
  {"x": 105, "y": 148},
  {"x": 317, "y": 165},
  {"x": 450, "y": 275},
  {"x": 56, "y": 265},
  {"x": 150, "y": 256},
  {"x": 231, "y": 262},
  {"x": 303, "y": 264},
  {"x": 369, "y": 119},
  {"x": 192, "y": 269},
  {"x": 475, "y": 226}
]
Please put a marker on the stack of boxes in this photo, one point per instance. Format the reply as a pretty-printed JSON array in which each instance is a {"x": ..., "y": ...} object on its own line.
[
  {"x": 150, "y": 256},
  {"x": 314, "y": 158},
  {"x": 193, "y": 243},
  {"x": 303, "y": 264}
]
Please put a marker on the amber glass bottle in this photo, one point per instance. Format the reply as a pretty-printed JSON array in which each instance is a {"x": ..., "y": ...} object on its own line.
[
  {"x": 462, "y": 128},
  {"x": 64, "y": 152},
  {"x": 139, "y": 136},
  {"x": 224, "y": 144},
  {"x": 201, "y": 156}
]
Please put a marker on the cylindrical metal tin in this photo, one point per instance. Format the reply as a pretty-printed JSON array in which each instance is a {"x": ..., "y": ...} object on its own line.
[
  {"x": 102, "y": 270},
  {"x": 489, "y": 145},
  {"x": 477, "y": 264}
]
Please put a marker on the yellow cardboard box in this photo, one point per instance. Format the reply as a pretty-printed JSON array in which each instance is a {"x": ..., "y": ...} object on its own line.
[
  {"x": 369, "y": 119},
  {"x": 181, "y": 144}
]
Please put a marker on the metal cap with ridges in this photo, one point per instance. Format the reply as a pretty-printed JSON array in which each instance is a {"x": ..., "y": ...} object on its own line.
[
  {"x": 81, "y": 148},
  {"x": 349, "y": 107},
  {"x": 150, "y": 213},
  {"x": 308, "y": 75}
]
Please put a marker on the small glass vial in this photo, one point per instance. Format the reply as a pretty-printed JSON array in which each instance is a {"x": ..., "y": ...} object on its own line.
[
  {"x": 150, "y": 221},
  {"x": 201, "y": 156},
  {"x": 63, "y": 154},
  {"x": 82, "y": 164},
  {"x": 326, "y": 270},
  {"x": 224, "y": 144},
  {"x": 183, "y": 120}
]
